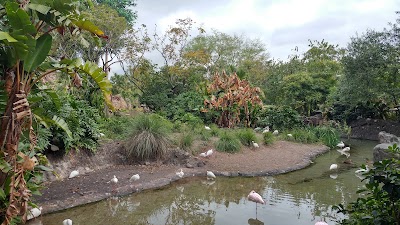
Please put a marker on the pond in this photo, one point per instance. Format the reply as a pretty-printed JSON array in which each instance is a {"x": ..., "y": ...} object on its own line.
[{"x": 301, "y": 197}]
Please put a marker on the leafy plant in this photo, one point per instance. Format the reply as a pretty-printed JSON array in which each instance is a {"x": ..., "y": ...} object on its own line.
[
  {"x": 186, "y": 140},
  {"x": 246, "y": 136},
  {"x": 279, "y": 117},
  {"x": 304, "y": 135},
  {"x": 381, "y": 201},
  {"x": 149, "y": 139},
  {"x": 228, "y": 143},
  {"x": 117, "y": 127},
  {"x": 328, "y": 135}
]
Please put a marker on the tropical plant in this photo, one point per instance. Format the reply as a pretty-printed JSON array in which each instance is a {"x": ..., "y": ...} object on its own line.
[
  {"x": 117, "y": 127},
  {"x": 26, "y": 38},
  {"x": 228, "y": 143},
  {"x": 149, "y": 140},
  {"x": 278, "y": 117},
  {"x": 380, "y": 203},
  {"x": 229, "y": 95}
]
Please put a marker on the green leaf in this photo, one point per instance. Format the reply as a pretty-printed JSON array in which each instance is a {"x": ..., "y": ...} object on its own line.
[
  {"x": 6, "y": 36},
  {"x": 2, "y": 195},
  {"x": 89, "y": 26},
  {"x": 44, "y": 168},
  {"x": 40, "y": 8},
  {"x": 5, "y": 166},
  {"x": 34, "y": 59},
  {"x": 62, "y": 124},
  {"x": 19, "y": 19},
  {"x": 54, "y": 97}
]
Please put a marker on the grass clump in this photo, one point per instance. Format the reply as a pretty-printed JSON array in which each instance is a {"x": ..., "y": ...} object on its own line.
[
  {"x": 268, "y": 138},
  {"x": 117, "y": 127},
  {"x": 246, "y": 136},
  {"x": 304, "y": 135},
  {"x": 149, "y": 139},
  {"x": 228, "y": 143},
  {"x": 186, "y": 141},
  {"x": 328, "y": 135}
]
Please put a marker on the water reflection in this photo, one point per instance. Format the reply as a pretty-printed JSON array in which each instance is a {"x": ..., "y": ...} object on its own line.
[{"x": 300, "y": 197}]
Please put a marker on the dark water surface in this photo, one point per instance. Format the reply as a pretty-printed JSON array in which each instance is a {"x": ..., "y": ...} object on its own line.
[{"x": 301, "y": 197}]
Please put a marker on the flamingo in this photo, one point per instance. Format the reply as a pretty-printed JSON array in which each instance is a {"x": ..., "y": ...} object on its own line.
[
  {"x": 135, "y": 177},
  {"x": 340, "y": 144},
  {"x": 33, "y": 213},
  {"x": 203, "y": 154},
  {"x": 255, "y": 145},
  {"x": 67, "y": 222},
  {"x": 290, "y": 135},
  {"x": 207, "y": 128},
  {"x": 361, "y": 170},
  {"x": 321, "y": 223},
  {"x": 114, "y": 182},
  {"x": 210, "y": 175},
  {"x": 255, "y": 197},
  {"x": 276, "y": 132},
  {"x": 346, "y": 149},
  {"x": 266, "y": 130},
  {"x": 342, "y": 152},
  {"x": 180, "y": 174},
  {"x": 73, "y": 174},
  {"x": 209, "y": 153},
  {"x": 333, "y": 167}
]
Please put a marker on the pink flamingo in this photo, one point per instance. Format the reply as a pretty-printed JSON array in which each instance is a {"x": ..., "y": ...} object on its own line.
[
  {"x": 321, "y": 223},
  {"x": 255, "y": 197}
]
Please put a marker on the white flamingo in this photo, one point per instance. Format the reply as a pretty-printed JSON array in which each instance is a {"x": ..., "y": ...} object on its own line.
[
  {"x": 67, "y": 222},
  {"x": 114, "y": 182},
  {"x": 340, "y": 144},
  {"x": 73, "y": 174},
  {"x": 210, "y": 175},
  {"x": 180, "y": 174},
  {"x": 333, "y": 167},
  {"x": 207, "y": 128},
  {"x": 255, "y": 145},
  {"x": 361, "y": 170},
  {"x": 203, "y": 154},
  {"x": 33, "y": 213},
  {"x": 276, "y": 132},
  {"x": 346, "y": 149},
  {"x": 135, "y": 177},
  {"x": 209, "y": 153}
]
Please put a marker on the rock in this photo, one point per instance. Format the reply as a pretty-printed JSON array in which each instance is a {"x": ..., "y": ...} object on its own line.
[
  {"x": 201, "y": 164},
  {"x": 388, "y": 138},
  {"x": 188, "y": 165},
  {"x": 380, "y": 152},
  {"x": 54, "y": 148}
]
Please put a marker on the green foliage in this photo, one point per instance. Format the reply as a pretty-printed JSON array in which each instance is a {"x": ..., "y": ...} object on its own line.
[
  {"x": 181, "y": 105},
  {"x": 246, "y": 136},
  {"x": 186, "y": 140},
  {"x": 149, "y": 139},
  {"x": 328, "y": 135},
  {"x": 117, "y": 127},
  {"x": 123, "y": 8},
  {"x": 304, "y": 135},
  {"x": 380, "y": 203},
  {"x": 228, "y": 143},
  {"x": 268, "y": 138},
  {"x": 279, "y": 117}
]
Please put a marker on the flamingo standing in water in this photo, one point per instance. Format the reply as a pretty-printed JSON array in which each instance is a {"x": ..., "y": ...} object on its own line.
[{"x": 255, "y": 197}]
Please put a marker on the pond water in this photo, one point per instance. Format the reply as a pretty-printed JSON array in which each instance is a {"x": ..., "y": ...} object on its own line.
[{"x": 301, "y": 197}]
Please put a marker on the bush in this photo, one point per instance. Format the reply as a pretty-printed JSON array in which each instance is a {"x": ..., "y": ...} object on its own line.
[
  {"x": 228, "y": 143},
  {"x": 186, "y": 140},
  {"x": 117, "y": 127},
  {"x": 149, "y": 139},
  {"x": 304, "y": 135},
  {"x": 246, "y": 136},
  {"x": 380, "y": 203},
  {"x": 279, "y": 117},
  {"x": 328, "y": 135},
  {"x": 268, "y": 138}
]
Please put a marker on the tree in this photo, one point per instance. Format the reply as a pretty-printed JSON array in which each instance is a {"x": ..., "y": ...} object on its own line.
[
  {"x": 26, "y": 39},
  {"x": 122, "y": 7},
  {"x": 372, "y": 71}
]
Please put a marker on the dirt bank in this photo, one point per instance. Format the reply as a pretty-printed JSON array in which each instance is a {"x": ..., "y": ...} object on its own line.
[{"x": 93, "y": 185}]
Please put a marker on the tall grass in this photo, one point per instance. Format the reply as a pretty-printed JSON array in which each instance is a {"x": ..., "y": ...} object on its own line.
[
  {"x": 246, "y": 136},
  {"x": 228, "y": 143},
  {"x": 117, "y": 127},
  {"x": 186, "y": 140},
  {"x": 268, "y": 138},
  {"x": 304, "y": 135},
  {"x": 149, "y": 139},
  {"x": 329, "y": 136}
]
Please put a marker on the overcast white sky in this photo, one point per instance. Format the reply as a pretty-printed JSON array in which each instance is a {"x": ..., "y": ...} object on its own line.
[{"x": 280, "y": 24}]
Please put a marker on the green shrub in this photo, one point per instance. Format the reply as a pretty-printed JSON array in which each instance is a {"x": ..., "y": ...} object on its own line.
[
  {"x": 328, "y": 135},
  {"x": 279, "y": 117},
  {"x": 268, "y": 138},
  {"x": 186, "y": 140},
  {"x": 304, "y": 135},
  {"x": 214, "y": 130},
  {"x": 228, "y": 143},
  {"x": 246, "y": 136},
  {"x": 117, "y": 127},
  {"x": 149, "y": 139},
  {"x": 380, "y": 202}
]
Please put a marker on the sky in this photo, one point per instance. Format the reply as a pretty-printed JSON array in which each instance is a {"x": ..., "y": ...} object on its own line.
[{"x": 280, "y": 24}]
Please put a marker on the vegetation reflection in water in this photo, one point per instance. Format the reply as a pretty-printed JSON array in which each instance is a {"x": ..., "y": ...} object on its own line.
[{"x": 300, "y": 197}]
